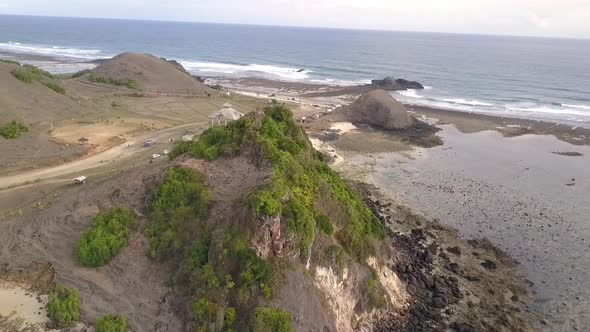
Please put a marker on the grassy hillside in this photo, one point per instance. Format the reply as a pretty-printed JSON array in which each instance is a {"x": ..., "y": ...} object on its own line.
[{"x": 223, "y": 276}]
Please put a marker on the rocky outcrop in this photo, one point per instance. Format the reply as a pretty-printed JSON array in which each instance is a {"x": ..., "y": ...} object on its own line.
[
  {"x": 380, "y": 109},
  {"x": 390, "y": 83}
]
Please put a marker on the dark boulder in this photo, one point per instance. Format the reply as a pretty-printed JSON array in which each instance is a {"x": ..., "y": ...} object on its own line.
[
  {"x": 488, "y": 264},
  {"x": 389, "y": 83}
]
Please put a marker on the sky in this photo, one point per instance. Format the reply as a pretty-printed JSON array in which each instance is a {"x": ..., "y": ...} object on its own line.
[{"x": 564, "y": 18}]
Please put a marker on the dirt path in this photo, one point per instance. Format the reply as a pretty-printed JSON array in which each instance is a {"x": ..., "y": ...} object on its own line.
[{"x": 75, "y": 168}]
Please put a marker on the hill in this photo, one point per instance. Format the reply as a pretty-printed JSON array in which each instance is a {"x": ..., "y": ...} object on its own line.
[
  {"x": 27, "y": 98},
  {"x": 147, "y": 73},
  {"x": 37, "y": 100},
  {"x": 248, "y": 229}
]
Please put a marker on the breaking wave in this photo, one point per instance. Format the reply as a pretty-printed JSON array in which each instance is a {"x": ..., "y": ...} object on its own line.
[
  {"x": 49, "y": 50},
  {"x": 270, "y": 71},
  {"x": 572, "y": 112}
]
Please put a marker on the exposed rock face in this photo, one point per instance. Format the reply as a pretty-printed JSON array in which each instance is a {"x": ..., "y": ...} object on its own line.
[
  {"x": 268, "y": 240},
  {"x": 389, "y": 83},
  {"x": 380, "y": 109}
]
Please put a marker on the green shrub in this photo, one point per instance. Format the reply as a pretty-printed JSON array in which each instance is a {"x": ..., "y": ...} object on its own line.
[
  {"x": 106, "y": 238},
  {"x": 64, "y": 306},
  {"x": 337, "y": 257},
  {"x": 12, "y": 62},
  {"x": 374, "y": 292},
  {"x": 111, "y": 323},
  {"x": 215, "y": 142},
  {"x": 324, "y": 224},
  {"x": 198, "y": 253},
  {"x": 37, "y": 71},
  {"x": 55, "y": 87},
  {"x": 253, "y": 271},
  {"x": 181, "y": 198},
  {"x": 129, "y": 83},
  {"x": 271, "y": 320},
  {"x": 13, "y": 130},
  {"x": 229, "y": 317},
  {"x": 211, "y": 279},
  {"x": 29, "y": 74},
  {"x": 266, "y": 202},
  {"x": 81, "y": 73},
  {"x": 300, "y": 221},
  {"x": 24, "y": 75}
]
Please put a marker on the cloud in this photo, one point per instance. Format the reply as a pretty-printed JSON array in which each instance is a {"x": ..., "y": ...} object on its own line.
[
  {"x": 537, "y": 21},
  {"x": 521, "y": 17}
]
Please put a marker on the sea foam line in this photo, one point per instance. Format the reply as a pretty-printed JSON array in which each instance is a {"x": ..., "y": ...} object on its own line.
[
  {"x": 244, "y": 70},
  {"x": 584, "y": 107},
  {"x": 16, "y": 47}
]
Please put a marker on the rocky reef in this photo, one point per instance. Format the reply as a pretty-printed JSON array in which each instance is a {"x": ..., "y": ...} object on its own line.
[{"x": 390, "y": 84}]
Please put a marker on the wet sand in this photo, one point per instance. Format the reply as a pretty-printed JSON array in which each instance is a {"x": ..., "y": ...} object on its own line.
[
  {"x": 516, "y": 192},
  {"x": 21, "y": 310}
]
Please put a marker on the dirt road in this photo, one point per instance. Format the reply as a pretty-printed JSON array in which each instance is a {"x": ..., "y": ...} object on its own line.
[{"x": 76, "y": 168}]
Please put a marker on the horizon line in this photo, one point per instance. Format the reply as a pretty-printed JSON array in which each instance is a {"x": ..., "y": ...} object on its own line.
[{"x": 301, "y": 26}]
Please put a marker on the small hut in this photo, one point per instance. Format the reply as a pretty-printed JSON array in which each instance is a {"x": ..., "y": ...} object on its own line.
[{"x": 225, "y": 115}]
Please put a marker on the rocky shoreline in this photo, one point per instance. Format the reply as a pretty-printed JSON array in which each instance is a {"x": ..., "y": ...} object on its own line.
[{"x": 445, "y": 275}]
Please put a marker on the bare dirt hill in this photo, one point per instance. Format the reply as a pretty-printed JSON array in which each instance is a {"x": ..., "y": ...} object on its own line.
[
  {"x": 39, "y": 108},
  {"x": 152, "y": 74},
  {"x": 31, "y": 102}
]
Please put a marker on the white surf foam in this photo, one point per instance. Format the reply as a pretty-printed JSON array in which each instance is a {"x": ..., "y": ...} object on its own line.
[
  {"x": 331, "y": 81},
  {"x": 525, "y": 109},
  {"x": 467, "y": 102},
  {"x": 246, "y": 70},
  {"x": 410, "y": 93},
  {"x": 584, "y": 107},
  {"x": 542, "y": 109},
  {"x": 49, "y": 50}
]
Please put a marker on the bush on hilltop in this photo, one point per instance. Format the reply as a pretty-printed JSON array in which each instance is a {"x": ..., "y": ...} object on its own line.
[
  {"x": 129, "y": 83},
  {"x": 55, "y": 87},
  {"x": 298, "y": 173}
]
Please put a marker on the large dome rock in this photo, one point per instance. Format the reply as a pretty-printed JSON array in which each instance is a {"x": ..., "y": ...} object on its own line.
[{"x": 380, "y": 109}]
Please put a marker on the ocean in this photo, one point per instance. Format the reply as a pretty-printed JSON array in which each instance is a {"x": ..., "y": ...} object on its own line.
[{"x": 538, "y": 78}]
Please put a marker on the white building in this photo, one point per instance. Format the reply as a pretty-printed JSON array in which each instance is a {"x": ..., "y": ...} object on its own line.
[{"x": 224, "y": 115}]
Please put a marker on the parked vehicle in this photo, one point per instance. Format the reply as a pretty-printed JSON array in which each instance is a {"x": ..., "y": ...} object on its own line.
[{"x": 80, "y": 180}]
